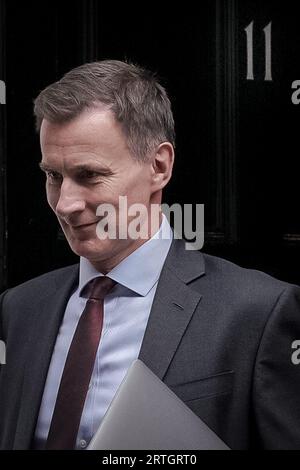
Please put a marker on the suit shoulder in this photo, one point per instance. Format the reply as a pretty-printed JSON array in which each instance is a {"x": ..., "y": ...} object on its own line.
[
  {"x": 219, "y": 275},
  {"x": 245, "y": 295},
  {"x": 242, "y": 279},
  {"x": 47, "y": 281}
]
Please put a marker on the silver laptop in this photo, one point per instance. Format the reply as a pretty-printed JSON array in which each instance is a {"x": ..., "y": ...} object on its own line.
[{"x": 146, "y": 414}]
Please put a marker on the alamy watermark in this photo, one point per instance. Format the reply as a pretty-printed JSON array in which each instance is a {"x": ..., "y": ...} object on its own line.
[
  {"x": 132, "y": 221},
  {"x": 2, "y": 92},
  {"x": 2, "y": 352},
  {"x": 295, "y": 358}
]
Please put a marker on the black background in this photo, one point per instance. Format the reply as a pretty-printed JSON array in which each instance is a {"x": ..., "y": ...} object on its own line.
[{"x": 237, "y": 139}]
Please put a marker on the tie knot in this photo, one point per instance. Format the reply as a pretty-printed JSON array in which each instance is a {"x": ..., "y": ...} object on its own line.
[{"x": 100, "y": 287}]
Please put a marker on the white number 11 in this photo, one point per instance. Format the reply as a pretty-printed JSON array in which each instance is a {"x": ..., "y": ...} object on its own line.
[{"x": 268, "y": 51}]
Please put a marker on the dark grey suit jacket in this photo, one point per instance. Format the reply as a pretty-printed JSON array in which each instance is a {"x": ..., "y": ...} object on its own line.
[{"x": 220, "y": 336}]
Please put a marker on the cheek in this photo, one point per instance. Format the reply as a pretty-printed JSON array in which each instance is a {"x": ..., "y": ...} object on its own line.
[
  {"x": 138, "y": 185},
  {"x": 139, "y": 191}
]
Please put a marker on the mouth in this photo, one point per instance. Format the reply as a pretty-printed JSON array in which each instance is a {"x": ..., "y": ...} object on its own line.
[{"x": 83, "y": 226}]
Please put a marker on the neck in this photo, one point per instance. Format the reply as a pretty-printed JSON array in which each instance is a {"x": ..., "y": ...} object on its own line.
[{"x": 106, "y": 265}]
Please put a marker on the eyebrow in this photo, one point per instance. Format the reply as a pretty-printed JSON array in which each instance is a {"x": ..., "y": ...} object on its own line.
[{"x": 88, "y": 167}]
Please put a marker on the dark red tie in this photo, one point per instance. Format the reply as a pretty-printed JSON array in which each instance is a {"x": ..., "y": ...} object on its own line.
[{"x": 78, "y": 369}]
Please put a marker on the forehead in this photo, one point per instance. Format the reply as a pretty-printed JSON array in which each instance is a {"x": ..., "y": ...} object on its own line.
[{"x": 95, "y": 132}]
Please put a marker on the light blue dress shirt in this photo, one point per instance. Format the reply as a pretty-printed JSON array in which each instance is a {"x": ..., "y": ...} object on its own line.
[{"x": 126, "y": 312}]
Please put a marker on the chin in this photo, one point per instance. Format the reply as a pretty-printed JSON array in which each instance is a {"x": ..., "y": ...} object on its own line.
[
  {"x": 102, "y": 251},
  {"x": 93, "y": 251}
]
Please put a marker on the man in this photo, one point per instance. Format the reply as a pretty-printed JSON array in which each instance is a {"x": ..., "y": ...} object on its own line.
[{"x": 218, "y": 335}]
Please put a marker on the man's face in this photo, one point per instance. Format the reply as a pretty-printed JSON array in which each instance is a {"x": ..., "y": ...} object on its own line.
[{"x": 87, "y": 163}]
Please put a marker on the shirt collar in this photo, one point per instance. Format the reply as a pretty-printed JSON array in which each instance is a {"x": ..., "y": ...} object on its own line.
[{"x": 141, "y": 269}]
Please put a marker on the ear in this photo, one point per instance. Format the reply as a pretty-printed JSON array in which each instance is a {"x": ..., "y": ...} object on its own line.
[{"x": 162, "y": 165}]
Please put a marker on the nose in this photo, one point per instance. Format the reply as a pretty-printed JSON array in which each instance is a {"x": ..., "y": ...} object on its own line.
[{"x": 70, "y": 200}]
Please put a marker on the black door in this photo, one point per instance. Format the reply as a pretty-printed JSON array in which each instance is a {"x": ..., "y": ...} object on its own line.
[{"x": 231, "y": 69}]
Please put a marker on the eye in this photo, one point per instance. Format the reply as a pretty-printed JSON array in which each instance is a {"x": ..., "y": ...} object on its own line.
[{"x": 87, "y": 175}]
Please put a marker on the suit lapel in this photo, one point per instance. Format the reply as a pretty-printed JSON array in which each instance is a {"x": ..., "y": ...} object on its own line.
[
  {"x": 173, "y": 307},
  {"x": 48, "y": 317}
]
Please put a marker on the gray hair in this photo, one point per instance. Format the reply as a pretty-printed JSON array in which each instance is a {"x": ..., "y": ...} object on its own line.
[{"x": 134, "y": 95}]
